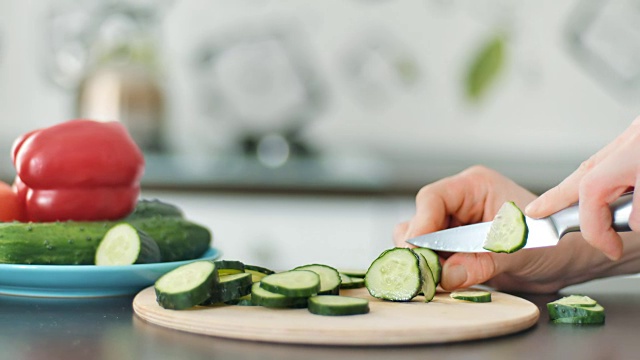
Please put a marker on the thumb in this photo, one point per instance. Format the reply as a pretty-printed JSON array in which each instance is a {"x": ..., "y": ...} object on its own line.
[{"x": 463, "y": 270}]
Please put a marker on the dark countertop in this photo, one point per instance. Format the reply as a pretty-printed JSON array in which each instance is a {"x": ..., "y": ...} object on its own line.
[{"x": 105, "y": 328}]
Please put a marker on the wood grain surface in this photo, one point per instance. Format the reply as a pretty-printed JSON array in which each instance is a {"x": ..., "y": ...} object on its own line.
[{"x": 388, "y": 323}]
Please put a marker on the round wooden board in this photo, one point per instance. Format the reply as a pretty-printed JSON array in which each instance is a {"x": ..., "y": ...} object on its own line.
[{"x": 388, "y": 323}]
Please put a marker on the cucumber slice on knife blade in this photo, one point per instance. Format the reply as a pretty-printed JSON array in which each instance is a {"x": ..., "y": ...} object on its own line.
[{"x": 509, "y": 231}]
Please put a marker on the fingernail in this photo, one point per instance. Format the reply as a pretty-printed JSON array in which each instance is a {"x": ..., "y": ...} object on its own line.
[
  {"x": 454, "y": 276},
  {"x": 530, "y": 208}
]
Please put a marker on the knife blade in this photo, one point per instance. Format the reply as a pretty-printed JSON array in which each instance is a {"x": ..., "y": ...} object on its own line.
[{"x": 542, "y": 232}]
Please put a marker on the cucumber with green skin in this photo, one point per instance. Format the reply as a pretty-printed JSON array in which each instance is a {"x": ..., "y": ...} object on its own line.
[
  {"x": 123, "y": 244},
  {"x": 75, "y": 243},
  {"x": 186, "y": 286},
  {"x": 58, "y": 243},
  {"x": 152, "y": 208},
  {"x": 177, "y": 238}
]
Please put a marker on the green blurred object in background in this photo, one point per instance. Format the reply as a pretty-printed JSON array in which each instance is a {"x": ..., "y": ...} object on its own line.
[{"x": 485, "y": 68}]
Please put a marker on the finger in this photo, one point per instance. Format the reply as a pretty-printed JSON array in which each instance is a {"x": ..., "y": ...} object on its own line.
[
  {"x": 431, "y": 210},
  {"x": 462, "y": 270},
  {"x": 562, "y": 195},
  {"x": 399, "y": 234},
  {"x": 454, "y": 200},
  {"x": 598, "y": 190},
  {"x": 566, "y": 193}
]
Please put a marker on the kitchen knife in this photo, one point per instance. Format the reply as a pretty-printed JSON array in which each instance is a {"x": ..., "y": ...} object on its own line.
[{"x": 542, "y": 232}]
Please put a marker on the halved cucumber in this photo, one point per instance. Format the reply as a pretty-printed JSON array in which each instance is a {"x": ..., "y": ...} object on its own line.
[
  {"x": 230, "y": 287},
  {"x": 262, "y": 297},
  {"x": 433, "y": 260},
  {"x": 509, "y": 231},
  {"x": 293, "y": 283},
  {"x": 394, "y": 275},
  {"x": 329, "y": 278},
  {"x": 187, "y": 285},
  {"x": 336, "y": 305},
  {"x": 471, "y": 295},
  {"x": 123, "y": 244}
]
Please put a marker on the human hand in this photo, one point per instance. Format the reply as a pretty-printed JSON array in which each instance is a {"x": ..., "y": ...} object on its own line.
[
  {"x": 475, "y": 195},
  {"x": 597, "y": 183}
]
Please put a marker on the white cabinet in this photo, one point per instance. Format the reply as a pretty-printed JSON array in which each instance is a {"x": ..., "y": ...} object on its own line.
[{"x": 281, "y": 232}]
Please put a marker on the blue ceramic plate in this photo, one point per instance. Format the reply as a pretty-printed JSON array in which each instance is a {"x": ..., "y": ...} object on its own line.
[{"x": 76, "y": 281}]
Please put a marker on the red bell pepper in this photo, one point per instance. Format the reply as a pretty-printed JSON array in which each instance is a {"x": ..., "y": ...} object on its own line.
[{"x": 78, "y": 170}]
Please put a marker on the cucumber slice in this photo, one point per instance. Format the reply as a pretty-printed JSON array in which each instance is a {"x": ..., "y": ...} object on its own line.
[
  {"x": 329, "y": 278},
  {"x": 428, "y": 282},
  {"x": 123, "y": 244},
  {"x": 230, "y": 287},
  {"x": 576, "y": 309},
  {"x": 473, "y": 296},
  {"x": 262, "y": 297},
  {"x": 394, "y": 275},
  {"x": 349, "y": 282},
  {"x": 354, "y": 273},
  {"x": 434, "y": 262},
  {"x": 293, "y": 283},
  {"x": 257, "y": 272},
  {"x": 508, "y": 232},
  {"x": 187, "y": 285},
  {"x": 582, "y": 320},
  {"x": 576, "y": 300},
  {"x": 336, "y": 305},
  {"x": 226, "y": 267},
  {"x": 557, "y": 311}
]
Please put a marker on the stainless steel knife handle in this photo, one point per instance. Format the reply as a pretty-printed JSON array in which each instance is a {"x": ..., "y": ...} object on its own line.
[{"x": 568, "y": 220}]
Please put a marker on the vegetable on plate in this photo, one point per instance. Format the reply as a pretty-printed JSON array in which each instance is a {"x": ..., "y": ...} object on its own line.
[
  {"x": 80, "y": 170},
  {"x": 123, "y": 244},
  {"x": 10, "y": 204}
]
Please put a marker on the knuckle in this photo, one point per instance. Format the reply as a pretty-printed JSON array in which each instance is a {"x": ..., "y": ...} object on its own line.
[{"x": 587, "y": 165}]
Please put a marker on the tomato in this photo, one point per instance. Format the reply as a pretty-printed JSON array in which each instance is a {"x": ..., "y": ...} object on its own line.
[{"x": 11, "y": 207}]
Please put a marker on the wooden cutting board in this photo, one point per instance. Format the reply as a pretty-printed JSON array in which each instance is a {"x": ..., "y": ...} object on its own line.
[{"x": 388, "y": 323}]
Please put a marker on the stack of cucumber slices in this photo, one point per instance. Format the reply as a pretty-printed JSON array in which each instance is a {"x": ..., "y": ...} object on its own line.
[
  {"x": 577, "y": 310},
  {"x": 400, "y": 274},
  {"x": 230, "y": 282}
]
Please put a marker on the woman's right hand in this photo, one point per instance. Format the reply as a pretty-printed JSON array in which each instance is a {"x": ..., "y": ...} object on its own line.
[
  {"x": 475, "y": 195},
  {"x": 597, "y": 183}
]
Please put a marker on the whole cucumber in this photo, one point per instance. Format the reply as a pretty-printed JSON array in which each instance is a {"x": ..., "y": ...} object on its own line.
[
  {"x": 75, "y": 243},
  {"x": 177, "y": 238},
  {"x": 151, "y": 208},
  {"x": 69, "y": 243}
]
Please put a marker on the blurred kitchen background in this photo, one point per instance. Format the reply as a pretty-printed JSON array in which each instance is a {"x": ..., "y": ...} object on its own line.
[{"x": 301, "y": 131}]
